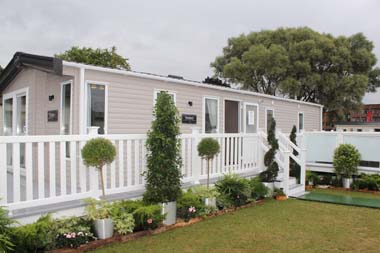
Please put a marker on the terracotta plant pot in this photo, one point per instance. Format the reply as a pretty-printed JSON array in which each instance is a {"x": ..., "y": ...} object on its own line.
[
  {"x": 308, "y": 187},
  {"x": 281, "y": 197}
]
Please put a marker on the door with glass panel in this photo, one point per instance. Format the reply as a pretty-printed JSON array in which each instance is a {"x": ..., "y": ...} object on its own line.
[
  {"x": 15, "y": 122},
  {"x": 250, "y": 141}
]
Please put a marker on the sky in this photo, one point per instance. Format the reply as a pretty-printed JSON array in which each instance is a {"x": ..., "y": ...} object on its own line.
[{"x": 172, "y": 37}]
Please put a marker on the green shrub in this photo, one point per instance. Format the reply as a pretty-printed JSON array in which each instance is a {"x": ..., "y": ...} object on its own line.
[
  {"x": 97, "y": 209},
  {"x": 311, "y": 177},
  {"x": 208, "y": 148},
  {"x": 368, "y": 182},
  {"x": 234, "y": 190},
  {"x": 294, "y": 168},
  {"x": 97, "y": 153},
  {"x": 123, "y": 220},
  {"x": 5, "y": 231},
  {"x": 190, "y": 205},
  {"x": 128, "y": 206},
  {"x": 148, "y": 217},
  {"x": 36, "y": 237},
  {"x": 270, "y": 174},
  {"x": 163, "y": 178},
  {"x": 346, "y": 160},
  {"x": 258, "y": 189},
  {"x": 72, "y": 232},
  {"x": 203, "y": 192}
]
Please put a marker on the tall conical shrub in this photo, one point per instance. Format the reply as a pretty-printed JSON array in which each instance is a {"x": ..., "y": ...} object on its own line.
[
  {"x": 270, "y": 174},
  {"x": 294, "y": 167},
  {"x": 163, "y": 178}
]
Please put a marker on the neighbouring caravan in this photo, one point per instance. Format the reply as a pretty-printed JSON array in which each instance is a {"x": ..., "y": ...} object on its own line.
[{"x": 47, "y": 96}]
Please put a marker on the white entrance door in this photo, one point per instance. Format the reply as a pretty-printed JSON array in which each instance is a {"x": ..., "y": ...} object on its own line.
[
  {"x": 250, "y": 123},
  {"x": 15, "y": 120}
]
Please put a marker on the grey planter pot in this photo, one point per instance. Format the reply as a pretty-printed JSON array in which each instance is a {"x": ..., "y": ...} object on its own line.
[
  {"x": 347, "y": 182},
  {"x": 103, "y": 228},
  {"x": 211, "y": 202},
  {"x": 170, "y": 209}
]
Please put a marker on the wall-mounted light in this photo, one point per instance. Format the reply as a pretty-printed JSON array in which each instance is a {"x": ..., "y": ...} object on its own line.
[
  {"x": 190, "y": 103},
  {"x": 51, "y": 97}
]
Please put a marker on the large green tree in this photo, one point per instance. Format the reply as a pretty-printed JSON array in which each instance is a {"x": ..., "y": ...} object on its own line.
[
  {"x": 303, "y": 64},
  {"x": 1, "y": 69},
  {"x": 98, "y": 57}
]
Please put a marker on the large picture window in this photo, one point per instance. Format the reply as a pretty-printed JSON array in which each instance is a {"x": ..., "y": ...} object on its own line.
[
  {"x": 96, "y": 104},
  {"x": 211, "y": 115}
]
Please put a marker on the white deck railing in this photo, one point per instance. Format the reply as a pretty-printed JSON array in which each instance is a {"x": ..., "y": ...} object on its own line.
[
  {"x": 321, "y": 146},
  {"x": 41, "y": 170}
]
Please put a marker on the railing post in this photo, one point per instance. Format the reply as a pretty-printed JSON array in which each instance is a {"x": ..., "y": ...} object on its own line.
[
  {"x": 286, "y": 172},
  {"x": 339, "y": 138},
  {"x": 94, "y": 173},
  {"x": 260, "y": 154},
  {"x": 196, "y": 161},
  {"x": 302, "y": 156}
]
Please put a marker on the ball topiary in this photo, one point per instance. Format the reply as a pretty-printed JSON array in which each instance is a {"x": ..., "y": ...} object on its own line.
[
  {"x": 346, "y": 160},
  {"x": 208, "y": 148},
  {"x": 97, "y": 153}
]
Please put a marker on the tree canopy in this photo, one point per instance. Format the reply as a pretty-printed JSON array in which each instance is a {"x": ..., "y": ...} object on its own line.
[
  {"x": 303, "y": 64},
  {"x": 1, "y": 69},
  {"x": 98, "y": 57}
]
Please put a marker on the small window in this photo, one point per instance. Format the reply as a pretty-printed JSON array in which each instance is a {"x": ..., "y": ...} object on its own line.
[
  {"x": 172, "y": 94},
  {"x": 211, "y": 115},
  {"x": 377, "y": 129},
  {"x": 66, "y": 113},
  {"x": 96, "y": 106},
  {"x": 359, "y": 130},
  {"x": 345, "y": 130},
  {"x": 269, "y": 117},
  {"x": 300, "y": 121}
]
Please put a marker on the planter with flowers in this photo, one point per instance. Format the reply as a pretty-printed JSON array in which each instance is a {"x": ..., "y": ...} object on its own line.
[{"x": 279, "y": 194}]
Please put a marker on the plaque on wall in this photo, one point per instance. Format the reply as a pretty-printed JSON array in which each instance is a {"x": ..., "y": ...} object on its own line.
[
  {"x": 189, "y": 119},
  {"x": 52, "y": 116}
]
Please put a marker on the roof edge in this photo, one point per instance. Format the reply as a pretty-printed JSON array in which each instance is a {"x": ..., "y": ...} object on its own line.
[{"x": 21, "y": 60}]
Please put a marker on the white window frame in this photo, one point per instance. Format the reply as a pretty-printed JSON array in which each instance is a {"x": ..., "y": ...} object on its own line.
[
  {"x": 266, "y": 116},
  {"x": 298, "y": 122},
  {"x": 14, "y": 95},
  {"x": 71, "y": 106},
  {"x": 256, "y": 116},
  {"x": 156, "y": 91},
  {"x": 105, "y": 84},
  {"x": 204, "y": 113}
]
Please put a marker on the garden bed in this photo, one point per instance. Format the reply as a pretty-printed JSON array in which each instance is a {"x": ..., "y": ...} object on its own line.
[{"x": 126, "y": 238}]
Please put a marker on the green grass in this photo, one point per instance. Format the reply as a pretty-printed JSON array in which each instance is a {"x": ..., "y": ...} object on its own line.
[
  {"x": 348, "y": 193},
  {"x": 276, "y": 226}
]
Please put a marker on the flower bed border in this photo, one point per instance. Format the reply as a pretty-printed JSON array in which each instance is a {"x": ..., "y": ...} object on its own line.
[{"x": 130, "y": 237}]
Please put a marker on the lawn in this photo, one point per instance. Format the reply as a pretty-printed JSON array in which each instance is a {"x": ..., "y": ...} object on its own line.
[
  {"x": 287, "y": 226},
  {"x": 366, "y": 195}
]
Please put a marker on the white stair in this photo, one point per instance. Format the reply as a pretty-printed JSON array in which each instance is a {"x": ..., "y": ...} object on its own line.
[{"x": 295, "y": 190}]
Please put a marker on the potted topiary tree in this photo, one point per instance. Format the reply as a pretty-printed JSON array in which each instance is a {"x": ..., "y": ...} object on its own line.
[
  {"x": 97, "y": 153},
  {"x": 346, "y": 162},
  {"x": 208, "y": 148},
  {"x": 163, "y": 178},
  {"x": 270, "y": 174}
]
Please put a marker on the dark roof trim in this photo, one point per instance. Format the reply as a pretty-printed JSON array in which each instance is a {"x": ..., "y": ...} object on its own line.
[
  {"x": 356, "y": 123},
  {"x": 21, "y": 60}
]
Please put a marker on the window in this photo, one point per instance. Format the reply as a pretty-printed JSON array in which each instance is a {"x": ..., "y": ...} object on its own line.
[
  {"x": 66, "y": 113},
  {"x": 300, "y": 121},
  {"x": 96, "y": 104},
  {"x": 377, "y": 129},
  {"x": 172, "y": 94},
  {"x": 269, "y": 115},
  {"x": 359, "y": 130},
  {"x": 211, "y": 115},
  {"x": 66, "y": 108}
]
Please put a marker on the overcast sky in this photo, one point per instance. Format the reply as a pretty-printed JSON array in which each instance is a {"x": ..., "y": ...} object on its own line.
[{"x": 171, "y": 37}]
